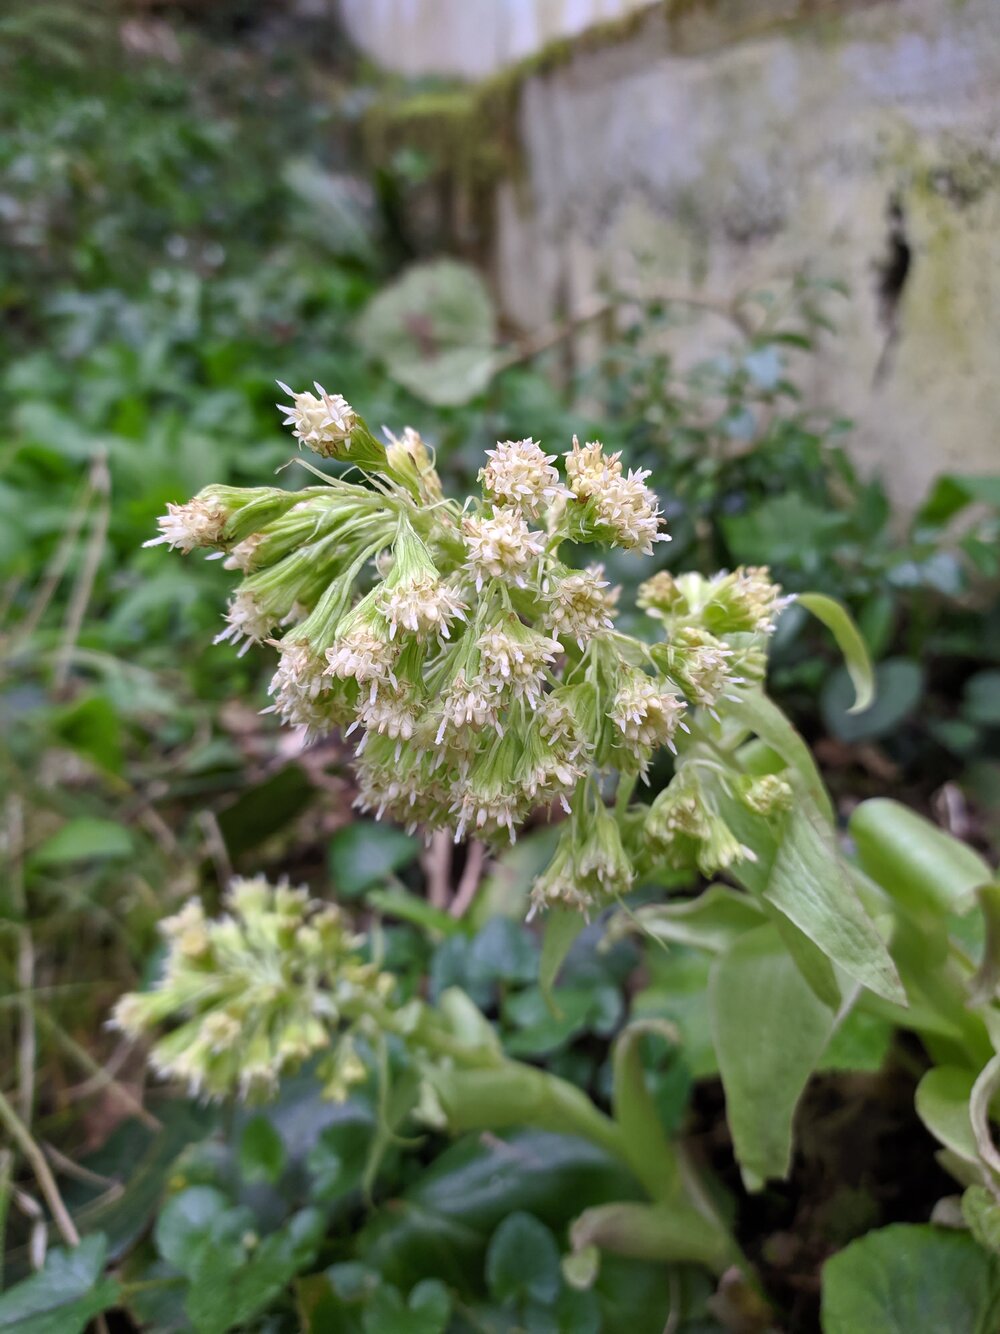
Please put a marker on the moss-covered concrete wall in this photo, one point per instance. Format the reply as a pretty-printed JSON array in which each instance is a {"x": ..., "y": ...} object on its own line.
[
  {"x": 716, "y": 145},
  {"x": 838, "y": 140}
]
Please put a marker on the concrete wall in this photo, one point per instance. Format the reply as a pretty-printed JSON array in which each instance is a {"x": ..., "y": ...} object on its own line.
[
  {"x": 721, "y": 144},
  {"x": 468, "y": 39}
]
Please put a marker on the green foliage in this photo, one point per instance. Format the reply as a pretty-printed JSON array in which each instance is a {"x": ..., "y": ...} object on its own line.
[
  {"x": 173, "y": 239},
  {"x": 912, "y": 1280}
]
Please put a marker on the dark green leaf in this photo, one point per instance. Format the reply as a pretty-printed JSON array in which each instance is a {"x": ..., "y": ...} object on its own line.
[
  {"x": 64, "y": 1297},
  {"x": 523, "y": 1260},
  {"x": 899, "y": 686},
  {"x": 265, "y": 809},
  {"x": 262, "y": 1152},
  {"x": 363, "y": 854}
]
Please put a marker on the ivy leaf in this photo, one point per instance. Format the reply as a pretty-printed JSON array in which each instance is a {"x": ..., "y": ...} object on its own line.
[
  {"x": 522, "y": 1260},
  {"x": 262, "y": 1153},
  {"x": 908, "y": 1279},
  {"x": 65, "y": 1296},
  {"x": 756, "y": 992},
  {"x": 364, "y": 853}
]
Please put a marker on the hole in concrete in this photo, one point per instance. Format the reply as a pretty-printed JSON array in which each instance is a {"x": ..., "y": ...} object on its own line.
[{"x": 891, "y": 274}]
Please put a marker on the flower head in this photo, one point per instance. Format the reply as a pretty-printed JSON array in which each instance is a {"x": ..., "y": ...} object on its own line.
[
  {"x": 519, "y": 474},
  {"x": 199, "y": 523},
  {"x": 250, "y": 995},
  {"x": 578, "y": 607},
  {"x": 514, "y": 659},
  {"x": 647, "y": 712},
  {"x": 500, "y": 546},
  {"x": 620, "y": 507},
  {"x": 322, "y": 421}
]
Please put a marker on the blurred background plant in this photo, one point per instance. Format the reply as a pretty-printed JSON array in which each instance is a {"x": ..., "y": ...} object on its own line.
[{"x": 185, "y": 217}]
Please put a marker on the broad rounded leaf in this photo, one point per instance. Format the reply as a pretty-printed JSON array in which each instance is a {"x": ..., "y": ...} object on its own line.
[
  {"x": 912, "y": 1280},
  {"x": 434, "y": 332}
]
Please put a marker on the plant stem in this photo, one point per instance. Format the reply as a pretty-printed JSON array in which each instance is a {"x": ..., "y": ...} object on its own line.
[{"x": 21, "y": 1135}]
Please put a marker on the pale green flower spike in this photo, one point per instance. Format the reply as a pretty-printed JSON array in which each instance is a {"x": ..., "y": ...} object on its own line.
[
  {"x": 480, "y": 671},
  {"x": 251, "y": 995}
]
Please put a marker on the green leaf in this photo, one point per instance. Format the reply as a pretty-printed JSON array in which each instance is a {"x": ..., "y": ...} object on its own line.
[
  {"x": 364, "y": 853},
  {"x": 984, "y": 1091},
  {"x": 407, "y": 907},
  {"x": 837, "y": 619},
  {"x": 92, "y": 727},
  {"x": 440, "y": 1225},
  {"x": 643, "y": 1135},
  {"x": 952, "y": 492},
  {"x": 756, "y": 712},
  {"x": 434, "y": 331},
  {"x": 984, "y": 985},
  {"x": 84, "y": 839},
  {"x": 811, "y": 886},
  {"x": 942, "y": 1103},
  {"x": 265, "y": 809},
  {"x": 232, "y": 1281},
  {"x": 712, "y": 921},
  {"x": 336, "y": 1162},
  {"x": 921, "y": 866},
  {"x": 185, "y": 1224},
  {"x": 756, "y": 993},
  {"x": 809, "y": 959},
  {"x": 562, "y": 926},
  {"x": 262, "y": 1152},
  {"x": 577, "y": 1010},
  {"x": 522, "y": 1260},
  {"x": 65, "y": 1295},
  {"x": 981, "y": 702},
  {"x": 982, "y": 1213},
  {"x": 909, "y": 1279},
  {"x": 899, "y": 687},
  {"x": 861, "y": 1043},
  {"x": 670, "y": 1233},
  {"x": 426, "y": 1312}
]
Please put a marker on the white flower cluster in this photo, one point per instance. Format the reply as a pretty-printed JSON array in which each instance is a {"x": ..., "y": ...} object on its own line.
[
  {"x": 322, "y": 421},
  {"x": 481, "y": 674}
]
